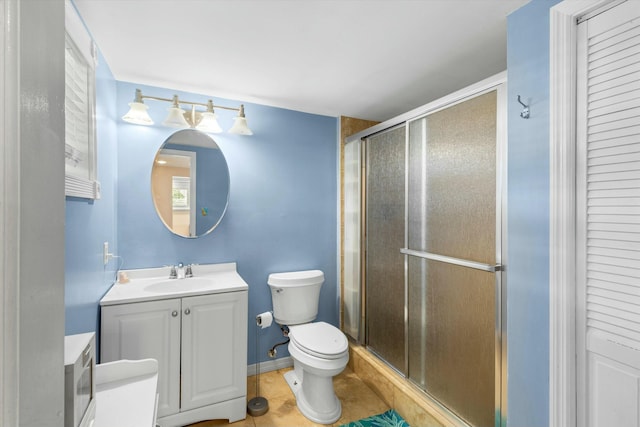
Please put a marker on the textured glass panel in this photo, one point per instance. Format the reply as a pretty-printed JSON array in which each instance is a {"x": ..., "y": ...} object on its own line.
[
  {"x": 452, "y": 181},
  {"x": 452, "y": 336},
  {"x": 452, "y": 212},
  {"x": 351, "y": 246},
  {"x": 385, "y": 216}
]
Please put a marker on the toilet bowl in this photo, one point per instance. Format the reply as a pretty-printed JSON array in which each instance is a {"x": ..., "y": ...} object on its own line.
[{"x": 319, "y": 350}]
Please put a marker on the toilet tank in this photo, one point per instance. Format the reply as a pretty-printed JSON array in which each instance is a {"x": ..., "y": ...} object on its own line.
[{"x": 295, "y": 296}]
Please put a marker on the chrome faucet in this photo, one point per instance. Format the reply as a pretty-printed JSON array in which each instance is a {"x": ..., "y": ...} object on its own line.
[
  {"x": 181, "y": 274},
  {"x": 180, "y": 271}
]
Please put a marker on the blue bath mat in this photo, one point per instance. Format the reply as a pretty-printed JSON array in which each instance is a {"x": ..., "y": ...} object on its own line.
[{"x": 389, "y": 419}]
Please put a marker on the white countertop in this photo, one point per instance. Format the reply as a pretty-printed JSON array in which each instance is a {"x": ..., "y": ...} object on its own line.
[{"x": 150, "y": 284}]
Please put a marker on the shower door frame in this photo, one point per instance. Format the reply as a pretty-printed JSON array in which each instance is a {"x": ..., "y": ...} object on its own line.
[{"x": 496, "y": 83}]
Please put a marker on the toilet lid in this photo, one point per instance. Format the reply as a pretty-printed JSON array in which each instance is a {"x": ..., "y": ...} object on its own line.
[{"x": 319, "y": 339}]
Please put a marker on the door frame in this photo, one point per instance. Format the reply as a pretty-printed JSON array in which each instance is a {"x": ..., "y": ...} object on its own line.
[
  {"x": 563, "y": 40},
  {"x": 9, "y": 212}
]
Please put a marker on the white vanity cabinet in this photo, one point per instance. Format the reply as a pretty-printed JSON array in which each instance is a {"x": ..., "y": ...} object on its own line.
[
  {"x": 146, "y": 330},
  {"x": 200, "y": 343}
]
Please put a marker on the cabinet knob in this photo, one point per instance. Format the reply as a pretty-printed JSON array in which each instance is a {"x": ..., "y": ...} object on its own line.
[
  {"x": 187, "y": 311},
  {"x": 174, "y": 313}
]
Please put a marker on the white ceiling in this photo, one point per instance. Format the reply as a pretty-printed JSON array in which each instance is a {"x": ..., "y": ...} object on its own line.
[{"x": 371, "y": 59}]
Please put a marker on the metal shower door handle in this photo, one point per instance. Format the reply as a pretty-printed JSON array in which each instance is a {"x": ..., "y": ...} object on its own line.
[{"x": 451, "y": 260}]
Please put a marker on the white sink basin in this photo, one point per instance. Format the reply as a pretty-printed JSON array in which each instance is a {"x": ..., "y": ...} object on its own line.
[
  {"x": 152, "y": 284},
  {"x": 180, "y": 285}
]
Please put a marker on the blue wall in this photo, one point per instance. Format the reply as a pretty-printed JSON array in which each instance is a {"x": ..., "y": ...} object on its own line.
[
  {"x": 282, "y": 212},
  {"x": 88, "y": 224},
  {"x": 528, "y": 216}
]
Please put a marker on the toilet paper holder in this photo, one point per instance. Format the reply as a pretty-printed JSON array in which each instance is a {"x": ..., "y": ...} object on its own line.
[
  {"x": 264, "y": 320},
  {"x": 259, "y": 405}
]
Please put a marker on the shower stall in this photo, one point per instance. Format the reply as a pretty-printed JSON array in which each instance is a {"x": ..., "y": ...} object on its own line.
[{"x": 423, "y": 285}]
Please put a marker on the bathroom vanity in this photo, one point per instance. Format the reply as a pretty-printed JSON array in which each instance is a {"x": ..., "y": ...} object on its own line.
[{"x": 196, "y": 328}]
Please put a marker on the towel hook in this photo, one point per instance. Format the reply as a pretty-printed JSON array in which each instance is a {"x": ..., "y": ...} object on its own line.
[{"x": 525, "y": 112}]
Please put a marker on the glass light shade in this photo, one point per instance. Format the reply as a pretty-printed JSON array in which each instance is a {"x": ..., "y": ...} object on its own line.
[
  {"x": 138, "y": 114},
  {"x": 176, "y": 119},
  {"x": 209, "y": 123},
  {"x": 240, "y": 126}
]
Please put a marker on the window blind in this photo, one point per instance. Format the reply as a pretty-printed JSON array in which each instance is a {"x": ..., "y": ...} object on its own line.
[
  {"x": 80, "y": 138},
  {"x": 77, "y": 112}
]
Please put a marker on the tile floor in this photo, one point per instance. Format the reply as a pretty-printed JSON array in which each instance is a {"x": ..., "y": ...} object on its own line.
[{"x": 358, "y": 401}]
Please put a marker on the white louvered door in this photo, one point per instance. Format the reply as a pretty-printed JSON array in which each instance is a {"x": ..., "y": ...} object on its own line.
[{"x": 608, "y": 218}]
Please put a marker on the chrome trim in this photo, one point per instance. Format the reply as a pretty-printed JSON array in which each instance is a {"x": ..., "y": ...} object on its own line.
[
  {"x": 501, "y": 255},
  {"x": 451, "y": 260},
  {"x": 406, "y": 242},
  {"x": 363, "y": 333},
  {"x": 363, "y": 244}
]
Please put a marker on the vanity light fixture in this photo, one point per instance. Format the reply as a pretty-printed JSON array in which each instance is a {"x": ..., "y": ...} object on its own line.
[
  {"x": 240, "y": 124},
  {"x": 205, "y": 121},
  {"x": 208, "y": 120},
  {"x": 175, "y": 118}
]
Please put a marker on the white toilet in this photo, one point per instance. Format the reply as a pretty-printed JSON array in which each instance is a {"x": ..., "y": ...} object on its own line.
[{"x": 319, "y": 350}]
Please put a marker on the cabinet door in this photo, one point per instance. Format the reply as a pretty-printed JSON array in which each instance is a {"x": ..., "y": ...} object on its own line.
[
  {"x": 214, "y": 348},
  {"x": 147, "y": 330}
]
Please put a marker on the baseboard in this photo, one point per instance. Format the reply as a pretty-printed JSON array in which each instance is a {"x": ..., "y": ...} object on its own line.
[{"x": 270, "y": 365}]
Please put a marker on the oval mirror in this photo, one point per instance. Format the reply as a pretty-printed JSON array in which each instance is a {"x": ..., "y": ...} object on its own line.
[{"x": 190, "y": 183}]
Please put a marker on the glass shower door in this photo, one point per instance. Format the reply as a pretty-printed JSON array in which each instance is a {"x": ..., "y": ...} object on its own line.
[
  {"x": 453, "y": 293},
  {"x": 385, "y": 228},
  {"x": 352, "y": 191}
]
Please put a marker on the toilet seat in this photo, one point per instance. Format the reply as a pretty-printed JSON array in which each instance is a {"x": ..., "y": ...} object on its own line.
[{"x": 319, "y": 339}]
